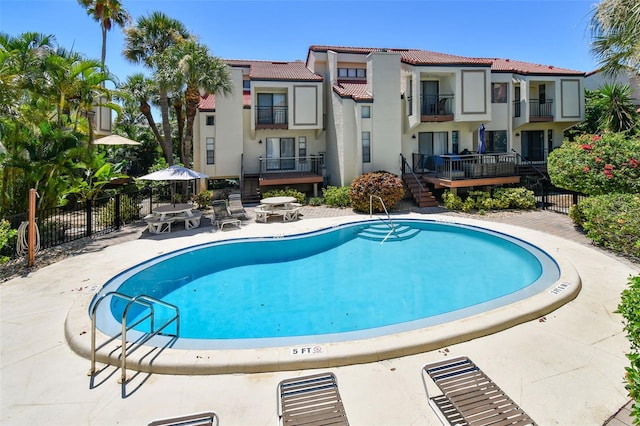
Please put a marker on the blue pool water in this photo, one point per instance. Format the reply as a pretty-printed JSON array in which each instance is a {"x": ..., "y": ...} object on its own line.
[{"x": 335, "y": 284}]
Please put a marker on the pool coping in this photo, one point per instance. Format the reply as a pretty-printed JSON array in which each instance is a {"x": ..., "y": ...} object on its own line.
[{"x": 323, "y": 355}]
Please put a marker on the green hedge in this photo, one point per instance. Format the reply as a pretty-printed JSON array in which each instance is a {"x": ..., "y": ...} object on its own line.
[
  {"x": 611, "y": 221},
  {"x": 630, "y": 309},
  {"x": 336, "y": 196},
  {"x": 287, "y": 192},
  {"x": 503, "y": 198}
]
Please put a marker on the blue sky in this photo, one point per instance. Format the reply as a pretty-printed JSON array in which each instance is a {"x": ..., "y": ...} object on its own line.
[{"x": 550, "y": 32}]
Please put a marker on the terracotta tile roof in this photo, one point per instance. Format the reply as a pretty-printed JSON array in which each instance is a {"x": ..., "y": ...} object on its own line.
[
  {"x": 520, "y": 67},
  {"x": 425, "y": 57},
  {"x": 356, "y": 91},
  {"x": 208, "y": 101},
  {"x": 267, "y": 70}
]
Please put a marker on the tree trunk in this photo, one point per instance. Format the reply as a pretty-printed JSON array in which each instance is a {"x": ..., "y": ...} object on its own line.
[
  {"x": 145, "y": 109},
  {"x": 177, "y": 106},
  {"x": 192, "y": 96},
  {"x": 167, "y": 145}
]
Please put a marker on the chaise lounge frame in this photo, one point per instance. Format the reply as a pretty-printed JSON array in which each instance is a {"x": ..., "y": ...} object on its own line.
[
  {"x": 311, "y": 400},
  {"x": 469, "y": 397}
]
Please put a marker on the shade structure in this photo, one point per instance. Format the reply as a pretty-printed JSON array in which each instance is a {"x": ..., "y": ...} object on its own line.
[
  {"x": 481, "y": 144},
  {"x": 115, "y": 140},
  {"x": 174, "y": 174}
]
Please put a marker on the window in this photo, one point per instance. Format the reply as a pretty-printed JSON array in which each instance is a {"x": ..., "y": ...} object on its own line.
[
  {"x": 246, "y": 84},
  {"x": 366, "y": 112},
  {"x": 499, "y": 93},
  {"x": 410, "y": 96},
  {"x": 211, "y": 120},
  {"x": 352, "y": 73},
  {"x": 211, "y": 145},
  {"x": 496, "y": 140},
  {"x": 366, "y": 147},
  {"x": 272, "y": 108},
  {"x": 302, "y": 148},
  {"x": 454, "y": 141}
]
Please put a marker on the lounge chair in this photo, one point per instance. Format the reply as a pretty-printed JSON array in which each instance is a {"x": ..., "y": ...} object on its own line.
[
  {"x": 469, "y": 397},
  {"x": 222, "y": 216},
  {"x": 236, "y": 209},
  {"x": 199, "y": 419},
  {"x": 311, "y": 400}
]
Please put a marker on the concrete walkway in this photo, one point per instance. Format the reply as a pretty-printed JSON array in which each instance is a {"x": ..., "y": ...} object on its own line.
[{"x": 566, "y": 368}]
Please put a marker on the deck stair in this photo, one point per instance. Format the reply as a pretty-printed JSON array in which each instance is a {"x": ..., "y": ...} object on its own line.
[
  {"x": 424, "y": 197},
  {"x": 379, "y": 232}
]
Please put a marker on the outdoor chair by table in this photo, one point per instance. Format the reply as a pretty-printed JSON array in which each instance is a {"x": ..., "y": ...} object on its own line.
[
  {"x": 311, "y": 400},
  {"x": 469, "y": 397},
  {"x": 208, "y": 418}
]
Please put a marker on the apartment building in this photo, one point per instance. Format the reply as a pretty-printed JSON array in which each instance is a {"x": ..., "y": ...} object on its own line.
[{"x": 346, "y": 111}]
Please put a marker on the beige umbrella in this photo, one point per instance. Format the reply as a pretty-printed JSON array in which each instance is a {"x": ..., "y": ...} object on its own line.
[{"x": 115, "y": 140}]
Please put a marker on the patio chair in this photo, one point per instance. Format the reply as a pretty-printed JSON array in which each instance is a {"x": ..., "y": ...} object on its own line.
[
  {"x": 311, "y": 400},
  {"x": 235, "y": 206},
  {"x": 208, "y": 418},
  {"x": 221, "y": 215},
  {"x": 469, "y": 396}
]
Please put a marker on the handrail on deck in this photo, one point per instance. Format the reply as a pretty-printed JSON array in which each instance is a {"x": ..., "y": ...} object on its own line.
[{"x": 415, "y": 177}]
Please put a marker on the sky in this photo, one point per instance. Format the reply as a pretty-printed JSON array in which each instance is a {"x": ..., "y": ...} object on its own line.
[{"x": 548, "y": 32}]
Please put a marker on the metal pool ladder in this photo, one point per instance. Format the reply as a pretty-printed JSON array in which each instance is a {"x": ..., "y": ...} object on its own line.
[
  {"x": 389, "y": 222},
  {"x": 145, "y": 301}
]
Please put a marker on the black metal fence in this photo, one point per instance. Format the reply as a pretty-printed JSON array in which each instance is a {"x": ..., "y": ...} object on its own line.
[
  {"x": 550, "y": 197},
  {"x": 85, "y": 219}
]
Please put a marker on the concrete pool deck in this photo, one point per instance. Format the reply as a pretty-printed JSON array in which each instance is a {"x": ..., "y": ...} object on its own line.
[{"x": 564, "y": 368}]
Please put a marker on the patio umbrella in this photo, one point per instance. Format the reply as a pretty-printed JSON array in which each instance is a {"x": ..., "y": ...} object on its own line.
[
  {"x": 115, "y": 140},
  {"x": 173, "y": 174},
  {"x": 481, "y": 145}
]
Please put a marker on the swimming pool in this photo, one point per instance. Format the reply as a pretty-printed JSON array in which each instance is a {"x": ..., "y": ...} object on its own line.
[{"x": 336, "y": 284}]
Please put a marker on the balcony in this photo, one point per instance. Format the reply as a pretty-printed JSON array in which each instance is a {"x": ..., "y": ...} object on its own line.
[
  {"x": 290, "y": 170},
  {"x": 540, "y": 110},
  {"x": 272, "y": 117},
  {"x": 456, "y": 171},
  {"x": 436, "y": 108}
]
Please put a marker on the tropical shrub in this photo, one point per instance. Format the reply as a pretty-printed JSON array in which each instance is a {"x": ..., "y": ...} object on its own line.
[
  {"x": 336, "y": 196},
  {"x": 503, "y": 198},
  {"x": 611, "y": 221},
  {"x": 287, "y": 192},
  {"x": 202, "y": 199},
  {"x": 597, "y": 164},
  {"x": 316, "y": 201},
  {"x": 6, "y": 234},
  {"x": 385, "y": 185},
  {"x": 629, "y": 307}
]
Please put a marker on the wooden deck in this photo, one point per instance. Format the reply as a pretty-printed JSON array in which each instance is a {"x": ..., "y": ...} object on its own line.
[
  {"x": 289, "y": 178},
  {"x": 439, "y": 182}
]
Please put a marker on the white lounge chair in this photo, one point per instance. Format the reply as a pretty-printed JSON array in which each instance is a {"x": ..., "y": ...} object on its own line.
[
  {"x": 222, "y": 216},
  {"x": 236, "y": 209}
]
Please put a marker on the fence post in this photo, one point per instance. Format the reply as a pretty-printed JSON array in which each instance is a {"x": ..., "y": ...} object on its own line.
[
  {"x": 32, "y": 227},
  {"x": 117, "y": 211},
  {"x": 88, "y": 218}
]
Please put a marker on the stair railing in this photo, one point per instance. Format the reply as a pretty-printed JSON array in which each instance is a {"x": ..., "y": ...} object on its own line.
[
  {"x": 529, "y": 163},
  {"x": 389, "y": 222},
  {"x": 406, "y": 164}
]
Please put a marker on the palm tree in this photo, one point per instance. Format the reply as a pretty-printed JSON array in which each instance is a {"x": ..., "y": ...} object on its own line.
[
  {"x": 615, "y": 27},
  {"x": 107, "y": 13},
  {"x": 199, "y": 72},
  {"x": 619, "y": 114},
  {"x": 145, "y": 43}
]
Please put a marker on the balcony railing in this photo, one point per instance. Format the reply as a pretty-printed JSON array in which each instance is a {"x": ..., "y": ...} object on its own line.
[
  {"x": 311, "y": 164},
  {"x": 472, "y": 166},
  {"x": 538, "y": 108},
  {"x": 436, "y": 104},
  {"x": 272, "y": 115}
]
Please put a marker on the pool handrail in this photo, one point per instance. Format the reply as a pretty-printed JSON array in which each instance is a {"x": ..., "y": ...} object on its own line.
[
  {"x": 144, "y": 300},
  {"x": 390, "y": 223}
]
